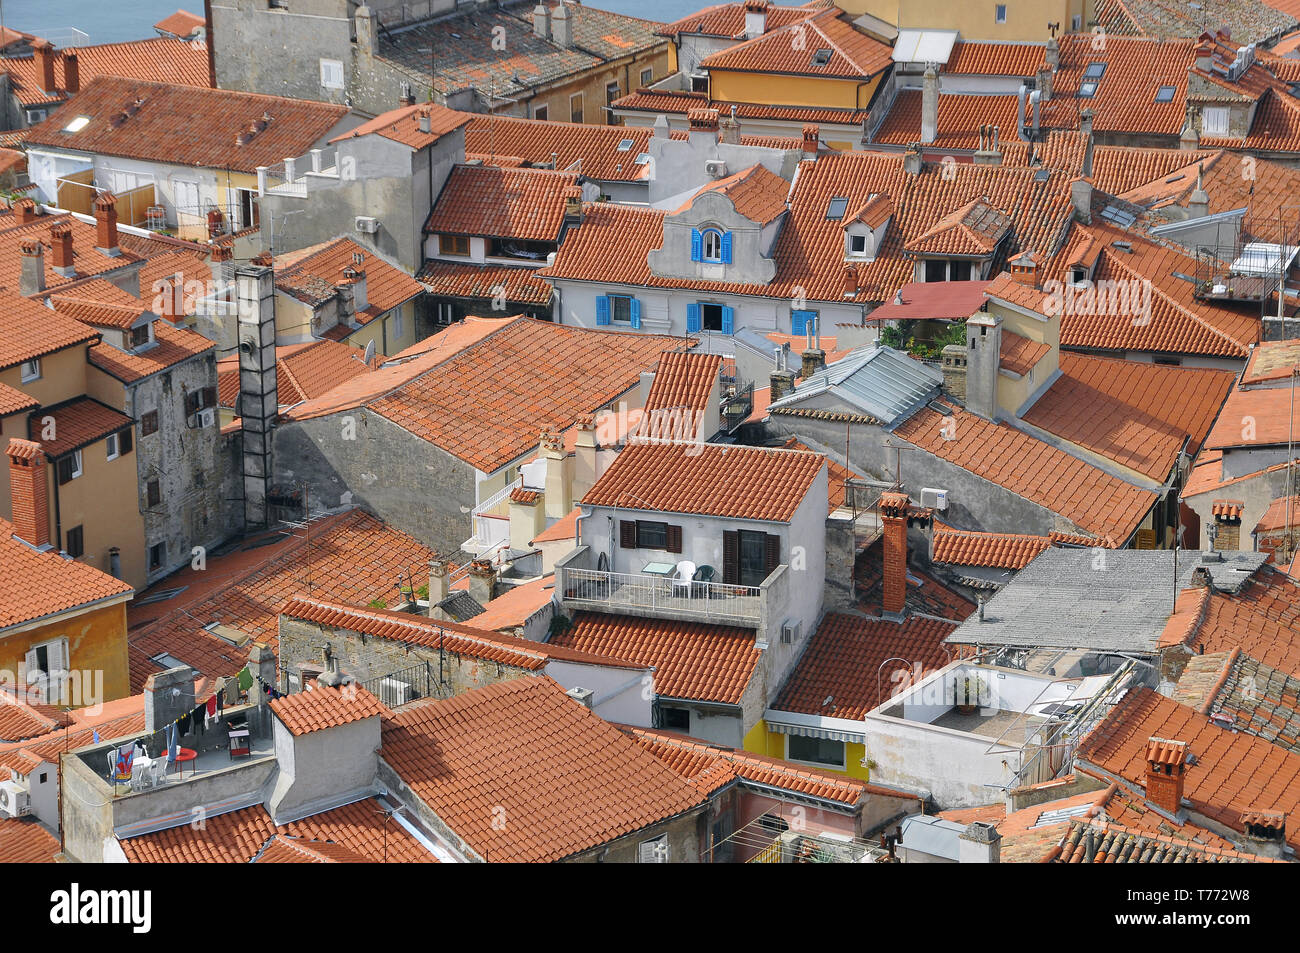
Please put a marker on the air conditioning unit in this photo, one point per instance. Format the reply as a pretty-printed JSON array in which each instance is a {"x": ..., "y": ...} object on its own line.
[
  {"x": 934, "y": 498},
  {"x": 716, "y": 168},
  {"x": 15, "y": 801},
  {"x": 207, "y": 417},
  {"x": 791, "y": 630},
  {"x": 394, "y": 692},
  {"x": 368, "y": 224}
]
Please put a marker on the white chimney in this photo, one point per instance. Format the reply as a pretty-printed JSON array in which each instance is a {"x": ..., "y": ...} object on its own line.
[{"x": 755, "y": 18}]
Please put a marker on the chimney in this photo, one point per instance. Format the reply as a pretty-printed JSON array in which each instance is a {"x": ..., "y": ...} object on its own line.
[
  {"x": 24, "y": 211},
  {"x": 482, "y": 580},
  {"x": 106, "y": 224},
  {"x": 367, "y": 30},
  {"x": 1189, "y": 139},
  {"x": 541, "y": 21},
  {"x": 216, "y": 222},
  {"x": 814, "y": 360},
  {"x": 261, "y": 665},
  {"x": 559, "y": 476},
  {"x": 44, "y": 54},
  {"x": 562, "y": 26},
  {"x": 929, "y": 104},
  {"x": 583, "y": 696},
  {"x": 811, "y": 140},
  {"x": 1081, "y": 199},
  {"x": 572, "y": 210},
  {"x": 28, "y": 493},
  {"x": 71, "y": 72},
  {"x": 1045, "y": 83},
  {"x": 356, "y": 277},
  {"x": 702, "y": 125},
  {"x": 168, "y": 291},
  {"x": 258, "y": 403},
  {"x": 1024, "y": 269},
  {"x": 782, "y": 382},
  {"x": 406, "y": 97},
  {"x": 426, "y": 124},
  {"x": 1265, "y": 833},
  {"x": 912, "y": 159},
  {"x": 1204, "y": 57},
  {"x": 729, "y": 129},
  {"x": 439, "y": 570},
  {"x": 893, "y": 518},
  {"x": 1053, "y": 53},
  {"x": 954, "y": 371},
  {"x": 584, "y": 456},
  {"x": 32, "y": 279},
  {"x": 1166, "y": 767},
  {"x": 1198, "y": 204},
  {"x": 983, "y": 358},
  {"x": 61, "y": 249},
  {"x": 979, "y": 843},
  {"x": 755, "y": 18},
  {"x": 989, "y": 151},
  {"x": 167, "y": 696}
]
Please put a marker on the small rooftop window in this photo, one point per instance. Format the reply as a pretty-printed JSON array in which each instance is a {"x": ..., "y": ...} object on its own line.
[
  {"x": 641, "y": 159},
  {"x": 835, "y": 211},
  {"x": 168, "y": 661},
  {"x": 77, "y": 124},
  {"x": 625, "y": 145},
  {"x": 821, "y": 58},
  {"x": 1087, "y": 90},
  {"x": 1165, "y": 94},
  {"x": 1095, "y": 71}
]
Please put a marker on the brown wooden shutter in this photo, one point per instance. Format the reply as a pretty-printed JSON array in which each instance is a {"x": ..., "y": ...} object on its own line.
[
  {"x": 772, "y": 555},
  {"x": 209, "y": 397},
  {"x": 674, "y": 539},
  {"x": 731, "y": 557},
  {"x": 65, "y": 470},
  {"x": 124, "y": 439},
  {"x": 627, "y": 534}
]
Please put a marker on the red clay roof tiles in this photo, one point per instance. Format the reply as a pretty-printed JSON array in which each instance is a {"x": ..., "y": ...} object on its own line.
[
  {"x": 524, "y": 204},
  {"x": 35, "y": 584},
  {"x": 311, "y": 275},
  {"x": 158, "y": 59},
  {"x": 23, "y": 840},
  {"x": 78, "y": 423},
  {"x": 793, "y": 49},
  {"x": 326, "y": 707},
  {"x": 1000, "y": 550},
  {"x": 451, "y": 279}
]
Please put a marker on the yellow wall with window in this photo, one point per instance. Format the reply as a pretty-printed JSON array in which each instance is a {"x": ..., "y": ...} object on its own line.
[
  {"x": 732, "y": 86},
  {"x": 1025, "y": 19},
  {"x": 772, "y": 744},
  {"x": 96, "y": 641}
]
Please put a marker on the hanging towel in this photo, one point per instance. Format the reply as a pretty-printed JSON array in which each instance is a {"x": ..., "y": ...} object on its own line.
[
  {"x": 125, "y": 758},
  {"x": 210, "y": 709},
  {"x": 184, "y": 723},
  {"x": 95, "y": 735},
  {"x": 245, "y": 679},
  {"x": 173, "y": 742},
  {"x": 197, "y": 716}
]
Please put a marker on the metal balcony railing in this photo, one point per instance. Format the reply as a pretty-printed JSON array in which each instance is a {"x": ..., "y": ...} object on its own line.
[{"x": 710, "y": 601}]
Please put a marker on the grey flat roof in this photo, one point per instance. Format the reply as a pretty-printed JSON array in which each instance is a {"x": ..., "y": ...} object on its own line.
[
  {"x": 1101, "y": 600},
  {"x": 874, "y": 380},
  {"x": 932, "y": 835}
]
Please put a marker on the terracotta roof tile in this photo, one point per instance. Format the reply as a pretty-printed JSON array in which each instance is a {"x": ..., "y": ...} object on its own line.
[
  {"x": 326, "y": 707},
  {"x": 1229, "y": 509},
  {"x": 673, "y": 102},
  {"x": 238, "y": 836},
  {"x": 1261, "y": 620},
  {"x": 19, "y": 722},
  {"x": 14, "y": 401},
  {"x": 159, "y": 59},
  {"x": 728, "y": 20},
  {"x": 564, "y": 528},
  {"x": 35, "y": 584},
  {"x": 566, "y": 780},
  {"x": 182, "y": 23},
  {"x": 525, "y": 204},
  {"x": 87, "y": 260},
  {"x": 1120, "y": 170},
  {"x": 757, "y": 193},
  {"x": 312, "y": 275},
  {"x": 1282, "y": 513},
  {"x": 683, "y": 380},
  {"x": 959, "y": 120},
  {"x": 78, "y": 423},
  {"x": 692, "y": 660},
  {"x": 1000, "y": 550},
  {"x": 852, "y": 54},
  {"x": 718, "y": 480},
  {"x": 837, "y": 475},
  {"x": 1271, "y": 361},
  {"x": 26, "y": 841},
  {"x": 174, "y": 345},
  {"x": 975, "y": 229},
  {"x": 282, "y": 849},
  {"x": 161, "y": 130},
  {"x": 403, "y": 125},
  {"x": 1019, "y": 354},
  {"x": 484, "y": 282},
  {"x": 1252, "y": 418},
  {"x": 995, "y": 59},
  {"x": 303, "y": 371},
  {"x": 592, "y": 150}
]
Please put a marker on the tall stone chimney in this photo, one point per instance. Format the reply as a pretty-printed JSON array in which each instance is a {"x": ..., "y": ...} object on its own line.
[
  {"x": 28, "y": 493},
  {"x": 258, "y": 396},
  {"x": 1166, "y": 769},
  {"x": 31, "y": 280},
  {"x": 954, "y": 370},
  {"x": 729, "y": 129},
  {"x": 367, "y": 29},
  {"x": 755, "y": 18},
  {"x": 979, "y": 843},
  {"x": 983, "y": 358},
  {"x": 562, "y": 26},
  {"x": 482, "y": 580},
  {"x": 584, "y": 456},
  {"x": 912, "y": 159},
  {"x": 929, "y": 103},
  {"x": 439, "y": 572},
  {"x": 106, "y": 224},
  {"x": 1198, "y": 203},
  {"x": 541, "y": 21},
  {"x": 559, "y": 476},
  {"x": 893, "y": 518},
  {"x": 1081, "y": 198}
]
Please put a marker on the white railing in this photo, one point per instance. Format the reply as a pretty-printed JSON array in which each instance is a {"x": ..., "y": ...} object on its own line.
[
  {"x": 714, "y": 601},
  {"x": 487, "y": 530}
]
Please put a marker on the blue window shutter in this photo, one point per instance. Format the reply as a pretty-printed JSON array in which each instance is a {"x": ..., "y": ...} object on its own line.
[
  {"x": 799, "y": 322},
  {"x": 636, "y": 313},
  {"x": 728, "y": 320},
  {"x": 697, "y": 245},
  {"x": 726, "y": 248},
  {"x": 602, "y": 310},
  {"x": 693, "y": 318}
]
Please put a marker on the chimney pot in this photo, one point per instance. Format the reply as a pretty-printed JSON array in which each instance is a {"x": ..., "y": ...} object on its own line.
[
  {"x": 811, "y": 140},
  {"x": 71, "y": 72},
  {"x": 61, "y": 249},
  {"x": 1166, "y": 767},
  {"x": 893, "y": 507},
  {"x": 31, "y": 280},
  {"x": 28, "y": 493},
  {"x": 106, "y": 224},
  {"x": 24, "y": 211}
]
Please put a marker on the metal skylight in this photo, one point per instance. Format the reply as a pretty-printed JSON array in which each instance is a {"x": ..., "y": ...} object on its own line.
[
  {"x": 835, "y": 211},
  {"x": 77, "y": 124}
]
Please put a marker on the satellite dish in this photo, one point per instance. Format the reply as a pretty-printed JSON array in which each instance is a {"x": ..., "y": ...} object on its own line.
[{"x": 370, "y": 351}]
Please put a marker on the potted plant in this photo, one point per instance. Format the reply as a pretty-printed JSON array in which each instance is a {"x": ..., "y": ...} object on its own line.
[{"x": 971, "y": 692}]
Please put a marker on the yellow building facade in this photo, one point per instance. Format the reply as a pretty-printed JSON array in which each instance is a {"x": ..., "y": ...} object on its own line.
[{"x": 992, "y": 20}]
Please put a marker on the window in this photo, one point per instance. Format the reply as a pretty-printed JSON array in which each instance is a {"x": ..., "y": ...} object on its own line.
[
  {"x": 711, "y": 317},
  {"x": 149, "y": 423},
  {"x": 157, "y": 555},
  {"x": 1214, "y": 121},
  {"x": 748, "y": 557},
  {"x": 699, "y": 83},
  {"x": 706, "y": 316},
  {"x": 168, "y": 661},
  {"x": 47, "y": 667},
  {"x": 153, "y": 493},
  {"x": 835, "y": 211},
  {"x": 331, "y": 74},
  {"x": 803, "y": 322},
  {"x": 1087, "y": 89},
  {"x": 650, "y": 535},
  {"x": 69, "y": 467},
  {"x": 540, "y": 112},
  {"x": 77, "y": 124},
  {"x": 618, "y": 309},
  {"x": 858, "y": 246},
  {"x": 111, "y": 443},
  {"x": 959, "y": 271},
  {"x": 675, "y": 719},
  {"x": 1095, "y": 71},
  {"x": 653, "y": 851},
  {"x": 575, "y": 107},
  {"x": 1000, "y": 13},
  {"x": 453, "y": 245},
  {"x": 821, "y": 57},
  {"x": 936, "y": 270},
  {"x": 74, "y": 543},
  {"x": 647, "y": 76},
  {"x": 1165, "y": 94},
  {"x": 31, "y": 370},
  {"x": 1078, "y": 275},
  {"x": 1076, "y": 22},
  {"x": 819, "y": 751},
  {"x": 202, "y": 399},
  {"x": 611, "y": 92},
  {"x": 141, "y": 336},
  {"x": 712, "y": 245}
]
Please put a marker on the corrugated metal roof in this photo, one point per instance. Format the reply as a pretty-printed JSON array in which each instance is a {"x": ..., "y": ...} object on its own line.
[{"x": 876, "y": 380}]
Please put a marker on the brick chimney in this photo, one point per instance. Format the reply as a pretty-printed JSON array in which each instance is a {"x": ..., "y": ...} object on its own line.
[
  {"x": 893, "y": 517},
  {"x": 1024, "y": 269},
  {"x": 482, "y": 580},
  {"x": 71, "y": 72},
  {"x": 1204, "y": 56},
  {"x": 106, "y": 224},
  {"x": 61, "y": 249},
  {"x": 1265, "y": 833},
  {"x": 811, "y": 140},
  {"x": 24, "y": 211},
  {"x": 44, "y": 54},
  {"x": 28, "y": 493},
  {"x": 32, "y": 278},
  {"x": 1166, "y": 767}
]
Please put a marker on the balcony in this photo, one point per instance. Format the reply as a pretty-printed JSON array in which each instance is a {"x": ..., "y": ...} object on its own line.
[{"x": 641, "y": 594}]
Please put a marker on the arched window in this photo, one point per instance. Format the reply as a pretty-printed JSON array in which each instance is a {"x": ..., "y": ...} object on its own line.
[{"x": 712, "y": 245}]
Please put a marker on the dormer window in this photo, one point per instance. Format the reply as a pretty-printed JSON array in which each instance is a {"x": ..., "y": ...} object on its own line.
[
  {"x": 141, "y": 336},
  {"x": 857, "y": 246},
  {"x": 1078, "y": 275},
  {"x": 711, "y": 245}
]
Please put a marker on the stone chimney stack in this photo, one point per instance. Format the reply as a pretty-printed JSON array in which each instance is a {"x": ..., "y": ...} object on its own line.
[
  {"x": 755, "y": 18},
  {"x": 912, "y": 159},
  {"x": 954, "y": 371},
  {"x": 167, "y": 696},
  {"x": 106, "y": 224},
  {"x": 31, "y": 279},
  {"x": 984, "y": 332},
  {"x": 559, "y": 476},
  {"x": 584, "y": 456},
  {"x": 1198, "y": 204},
  {"x": 893, "y": 517},
  {"x": 29, "y": 496},
  {"x": 71, "y": 72},
  {"x": 1085, "y": 127},
  {"x": 1081, "y": 199},
  {"x": 61, "y": 249},
  {"x": 990, "y": 150},
  {"x": 1189, "y": 139},
  {"x": 979, "y": 843},
  {"x": 367, "y": 29},
  {"x": 439, "y": 572},
  {"x": 482, "y": 580},
  {"x": 729, "y": 129},
  {"x": 562, "y": 26},
  {"x": 258, "y": 393},
  {"x": 930, "y": 104},
  {"x": 1265, "y": 833},
  {"x": 1052, "y": 53},
  {"x": 541, "y": 21},
  {"x": 1166, "y": 773}
]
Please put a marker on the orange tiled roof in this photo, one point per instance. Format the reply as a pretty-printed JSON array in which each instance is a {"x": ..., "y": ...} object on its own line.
[
  {"x": 1097, "y": 502},
  {"x": 1282, "y": 513},
  {"x": 837, "y": 474},
  {"x": 326, "y": 707},
  {"x": 160, "y": 129},
  {"x": 975, "y": 229},
  {"x": 182, "y": 23},
  {"x": 78, "y": 423},
  {"x": 1119, "y": 170},
  {"x": 282, "y": 849},
  {"x": 303, "y": 371},
  {"x": 237, "y": 837},
  {"x": 14, "y": 401},
  {"x": 692, "y": 660},
  {"x": 712, "y": 479},
  {"x": 674, "y": 102},
  {"x": 312, "y": 274},
  {"x": 453, "y": 279},
  {"x": 19, "y": 721},
  {"x": 564, "y": 780},
  {"x": 1139, "y": 415},
  {"x": 35, "y": 584},
  {"x": 23, "y": 840},
  {"x": 1019, "y": 354},
  {"x": 959, "y": 119},
  {"x": 792, "y": 50},
  {"x": 728, "y": 20},
  {"x": 1252, "y": 418},
  {"x": 1114, "y": 844},
  {"x": 995, "y": 59},
  {"x": 526, "y": 204},
  {"x": 1229, "y": 509},
  {"x": 1271, "y": 361},
  {"x": 1000, "y": 550},
  {"x": 683, "y": 380},
  {"x": 1261, "y": 620},
  {"x": 564, "y": 528},
  {"x": 97, "y": 314},
  {"x": 158, "y": 60},
  {"x": 592, "y": 150},
  {"x": 403, "y": 125},
  {"x": 87, "y": 260},
  {"x": 757, "y": 193},
  {"x": 174, "y": 345}
]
